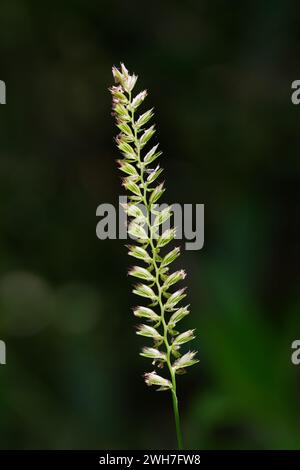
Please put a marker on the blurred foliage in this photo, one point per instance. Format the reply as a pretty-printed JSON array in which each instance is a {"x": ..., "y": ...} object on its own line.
[{"x": 219, "y": 79}]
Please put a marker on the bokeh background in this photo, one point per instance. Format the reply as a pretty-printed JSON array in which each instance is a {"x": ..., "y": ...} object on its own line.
[{"x": 219, "y": 76}]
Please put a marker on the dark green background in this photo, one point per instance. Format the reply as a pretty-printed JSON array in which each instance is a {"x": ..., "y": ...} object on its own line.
[{"x": 219, "y": 75}]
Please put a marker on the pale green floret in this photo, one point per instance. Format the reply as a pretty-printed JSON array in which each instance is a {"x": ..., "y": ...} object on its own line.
[
  {"x": 184, "y": 338},
  {"x": 186, "y": 360},
  {"x": 151, "y": 378},
  {"x": 141, "y": 273},
  {"x": 149, "y": 331},
  {"x": 153, "y": 353},
  {"x": 145, "y": 312}
]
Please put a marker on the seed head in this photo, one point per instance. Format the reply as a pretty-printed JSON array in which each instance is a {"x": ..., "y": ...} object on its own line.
[{"x": 141, "y": 180}]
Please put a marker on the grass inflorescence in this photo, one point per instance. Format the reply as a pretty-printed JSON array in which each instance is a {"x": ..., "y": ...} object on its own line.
[{"x": 156, "y": 281}]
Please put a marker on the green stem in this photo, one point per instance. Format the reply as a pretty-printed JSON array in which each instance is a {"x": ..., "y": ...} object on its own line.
[
  {"x": 160, "y": 301},
  {"x": 177, "y": 419}
]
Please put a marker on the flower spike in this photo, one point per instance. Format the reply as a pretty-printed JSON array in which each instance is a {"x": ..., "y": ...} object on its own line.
[{"x": 163, "y": 311}]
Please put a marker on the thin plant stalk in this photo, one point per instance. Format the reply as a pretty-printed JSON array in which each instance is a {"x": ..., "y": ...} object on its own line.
[
  {"x": 146, "y": 227},
  {"x": 176, "y": 416}
]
